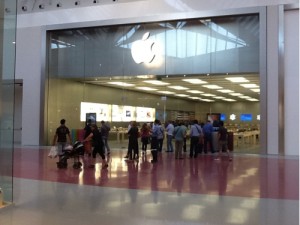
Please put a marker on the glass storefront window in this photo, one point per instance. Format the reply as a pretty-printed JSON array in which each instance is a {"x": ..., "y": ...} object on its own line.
[
  {"x": 7, "y": 82},
  {"x": 177, "y": 68}
]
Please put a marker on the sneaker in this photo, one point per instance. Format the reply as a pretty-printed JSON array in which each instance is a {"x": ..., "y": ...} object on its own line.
[
  {"x": 217, "y": 159},
  {"x": 230, "y": 158}
]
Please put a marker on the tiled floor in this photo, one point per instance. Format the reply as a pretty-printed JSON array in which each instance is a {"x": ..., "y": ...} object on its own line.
[{"x": 251, "y": 189}]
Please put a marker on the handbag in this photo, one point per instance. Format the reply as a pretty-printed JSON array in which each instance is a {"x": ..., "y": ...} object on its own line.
[{"x": 53, "y": 152}]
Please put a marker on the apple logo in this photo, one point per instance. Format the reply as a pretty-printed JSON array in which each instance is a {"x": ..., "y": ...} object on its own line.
[{"x": 141, "y": 50}]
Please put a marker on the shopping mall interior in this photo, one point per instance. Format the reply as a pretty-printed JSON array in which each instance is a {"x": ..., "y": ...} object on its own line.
[{"x": 140, "y": 60}]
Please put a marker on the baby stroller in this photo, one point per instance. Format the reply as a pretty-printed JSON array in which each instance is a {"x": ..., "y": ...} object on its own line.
[{"x": 75, "y": 153}]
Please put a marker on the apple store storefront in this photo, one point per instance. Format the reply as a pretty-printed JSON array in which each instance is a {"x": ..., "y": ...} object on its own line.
[{"x": 205, "y": 68}]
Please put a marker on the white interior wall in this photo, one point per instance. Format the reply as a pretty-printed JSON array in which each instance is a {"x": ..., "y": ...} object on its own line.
[
  {"x": 30, "y": 29},
  {"x": 291, "y": 82},
  {"x": 28, "y": 69}
]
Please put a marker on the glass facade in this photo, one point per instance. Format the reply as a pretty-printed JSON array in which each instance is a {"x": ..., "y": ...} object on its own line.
[
  {"x": 7, "y": 82},
  {"x": 176, "y": 69}
]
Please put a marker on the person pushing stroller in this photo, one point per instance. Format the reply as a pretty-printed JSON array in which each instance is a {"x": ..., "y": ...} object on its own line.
[{"x": 96, "y": 138}]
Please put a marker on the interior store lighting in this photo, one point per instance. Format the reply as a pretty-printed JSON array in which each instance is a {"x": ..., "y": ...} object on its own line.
[
  {"x": 208, "y": 95},
  {"x": 237, "y": 79},
  {"x": 249, "y": 85},
  {"x": 166, "y": 92},
  {"x": 156, "y": 82},
  {"x": 257, "y": 90},
  {"x": 212, "y": 86},
  {"x": 207, "y": 100},
  {"x": 236, "y": 94},
  {"x": 146, "y": 88},
  {"x": 182, "y": 95},
  {"x": 225, "y": 91},
  {"x": 229, "y": 100},
  {"x": 252, "y": 99},
  {"x": 195, "y": 81},
  {"x": 244, "y": 97},
  {"x": 123, "y": 84},
  {"x": 218, "y": 97},
  {"x": 195, "y": 98},
  {"x": 178, "y": 87},
  {"x": 194, "y": 91},
  {"x": 144, "y": 76}
]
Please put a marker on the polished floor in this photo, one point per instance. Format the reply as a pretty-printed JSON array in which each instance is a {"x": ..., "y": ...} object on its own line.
[{"x": 250, "y": 189}]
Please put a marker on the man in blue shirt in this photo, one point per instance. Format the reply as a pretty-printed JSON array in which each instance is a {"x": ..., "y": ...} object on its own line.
[
  {"x": 170, "y": 131},
  {"x": 154, "y": 141},
  {"x": 179, "y": 135},
  {"x": 208, "y": 130}
]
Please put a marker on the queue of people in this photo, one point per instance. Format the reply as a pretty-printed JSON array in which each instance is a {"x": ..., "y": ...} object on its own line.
[
  {"x": 96, "y": 139},
  {"x": 200, "y": 135}
]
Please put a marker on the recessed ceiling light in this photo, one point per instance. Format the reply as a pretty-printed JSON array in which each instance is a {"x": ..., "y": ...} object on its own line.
[
  {"x": 195, "y": 98},
  {"x": 235, "y": 94},
  {"x": 229, "y": 100},
  {"x": 166, "y": 92},
  {"x": 207, "y": 100},
  {"x": 249, "y": 85},
  {"x": 181, "y": 95},
  {"x": 208, "y": 95},
  {"x": 212, "y": 86},
  {"x": 178, "y": 87},
  {"x": 195, "y": 81},
  {"x": 244, "y": 97},
  {"x": 256, "y": 90},
  {"x": 237, "y": 79},
  {"x": 252, "y": 99},
  {"x": 218, "y": 97},
  {"x": 156, "y": 82},
  {"x": 225, "y": 91},
  {"x": 123, "y": 84},
  {"x": 194, "y": 91},
  {"x": 146, "y": 88}
]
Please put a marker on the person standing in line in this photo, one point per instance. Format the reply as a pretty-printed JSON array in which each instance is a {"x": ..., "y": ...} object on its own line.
[
  {"x": 62, "y": 137},
  {"x": 200, "y": 145},
  {"x": 160, "y": 137},
  {"x": 179, "y": 135},
  {"x": 87, "y": 144},
  {"x": 184, "y": 140},
  {"x": 133, "y": 135},
  {"x": 208, "y": 131},
  {"x": 170, "y": 131},
  {"x": 195, "y": 135},
  {"x": 154, "y": 141},
  {"x": 96, "y": 137},
  {"x": 145, "y": 134},
  {"x": 105, "y": 128},
  {"x": 128, "y": 129},
  {"x": 223, "y": 141}
]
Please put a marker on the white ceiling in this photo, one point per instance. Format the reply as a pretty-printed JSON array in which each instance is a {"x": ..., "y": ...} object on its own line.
[{"x": 224, "y": 84}]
